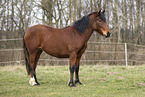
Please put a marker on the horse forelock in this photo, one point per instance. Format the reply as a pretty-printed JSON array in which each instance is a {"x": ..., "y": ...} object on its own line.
[{"x": 82, "y": 24}]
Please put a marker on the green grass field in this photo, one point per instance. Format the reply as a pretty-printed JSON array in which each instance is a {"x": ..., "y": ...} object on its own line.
[{"x": 98, "y": 81}]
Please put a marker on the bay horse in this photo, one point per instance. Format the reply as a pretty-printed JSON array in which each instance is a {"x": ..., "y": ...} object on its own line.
[{"x": 69, "y": 42}]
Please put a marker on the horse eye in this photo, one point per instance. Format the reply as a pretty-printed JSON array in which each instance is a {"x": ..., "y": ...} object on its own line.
[{"x": 99, "y": 20}]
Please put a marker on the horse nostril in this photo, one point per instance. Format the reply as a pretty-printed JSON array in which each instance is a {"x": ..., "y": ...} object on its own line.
[{"x": 108, "y": 34}]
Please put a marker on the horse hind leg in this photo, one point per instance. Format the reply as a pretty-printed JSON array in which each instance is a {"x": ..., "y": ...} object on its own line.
[
  {"x": 37, "y": 58},
  {"x": 33, "y": 60}
]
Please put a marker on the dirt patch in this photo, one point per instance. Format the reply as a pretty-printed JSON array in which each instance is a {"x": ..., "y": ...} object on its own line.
[
  {"x": 102, "y": 79},
  {"x": 141, "y": 84},
  {"x": 112, "y": 73},
  {"x": 120, "y": 78}
]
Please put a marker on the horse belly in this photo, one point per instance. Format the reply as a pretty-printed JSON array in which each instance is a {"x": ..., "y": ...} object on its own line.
[
  {"x": 58, "y": 54},
  {"x": 57, "y": 51}
]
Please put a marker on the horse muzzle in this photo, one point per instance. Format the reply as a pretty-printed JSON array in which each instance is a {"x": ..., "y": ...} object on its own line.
[{"x": 108, "y": 34}]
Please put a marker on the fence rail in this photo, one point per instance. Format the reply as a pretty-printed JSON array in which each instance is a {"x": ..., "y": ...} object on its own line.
[
  {"x": 10, "y": 39},
  {"x": 126, "y": 50}
]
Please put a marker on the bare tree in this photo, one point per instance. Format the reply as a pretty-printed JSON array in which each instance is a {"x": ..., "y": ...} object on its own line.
[{"x": 124, "y": 17}]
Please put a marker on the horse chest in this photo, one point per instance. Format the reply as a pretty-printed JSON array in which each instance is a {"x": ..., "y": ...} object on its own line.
[{"x": 75, "y": 47}]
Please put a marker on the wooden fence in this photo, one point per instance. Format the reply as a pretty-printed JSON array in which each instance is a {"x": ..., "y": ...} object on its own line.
[{"x": 11, "y": 52}]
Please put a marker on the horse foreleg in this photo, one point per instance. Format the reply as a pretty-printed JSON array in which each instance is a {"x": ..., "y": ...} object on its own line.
[
  {"x": 77, "y": 71},
  {"x": 78, "y": 64},
  {"x": 73, "y": 57}
]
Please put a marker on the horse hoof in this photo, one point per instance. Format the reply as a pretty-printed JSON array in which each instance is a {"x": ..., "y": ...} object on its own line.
[
  {"x": 38, "y": 83},
  {"x": 71, "y": 84},
  {"x": 33, "y": 83},
  {"x": 78, "y": 82}
]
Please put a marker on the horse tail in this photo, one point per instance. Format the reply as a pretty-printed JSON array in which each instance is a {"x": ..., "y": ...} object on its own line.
[{"x": 26, "y": 55}]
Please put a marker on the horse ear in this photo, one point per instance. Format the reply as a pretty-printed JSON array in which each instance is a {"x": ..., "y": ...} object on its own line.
[
  {"x": 104, "y": 11},
  {"x": 99, "y": 12}
]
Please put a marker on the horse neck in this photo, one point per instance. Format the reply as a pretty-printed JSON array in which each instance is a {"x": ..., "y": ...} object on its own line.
[{"x": 87, "y": 34}]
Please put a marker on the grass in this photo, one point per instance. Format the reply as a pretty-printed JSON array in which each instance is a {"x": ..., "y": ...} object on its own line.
[{"x": 98, "y": 81}]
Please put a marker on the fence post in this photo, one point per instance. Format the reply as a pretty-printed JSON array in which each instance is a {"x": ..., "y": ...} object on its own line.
[{"x": 126, "y": 54}]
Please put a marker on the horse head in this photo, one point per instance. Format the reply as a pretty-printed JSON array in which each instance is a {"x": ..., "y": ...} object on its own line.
[{"x": 99, "y": 23}]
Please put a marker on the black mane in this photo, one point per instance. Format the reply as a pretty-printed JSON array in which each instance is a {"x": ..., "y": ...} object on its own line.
[{"x": 82, "y": 24}]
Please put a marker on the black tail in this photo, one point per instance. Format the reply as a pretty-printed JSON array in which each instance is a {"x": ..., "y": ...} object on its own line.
[{"x": 26, "y": 55}]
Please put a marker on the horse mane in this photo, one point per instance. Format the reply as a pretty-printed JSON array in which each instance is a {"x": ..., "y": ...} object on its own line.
[{"x": 82, "y": 24}]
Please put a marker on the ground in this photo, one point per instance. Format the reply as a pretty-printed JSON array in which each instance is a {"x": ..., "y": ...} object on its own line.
[{"x": 98, "y": 81}]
